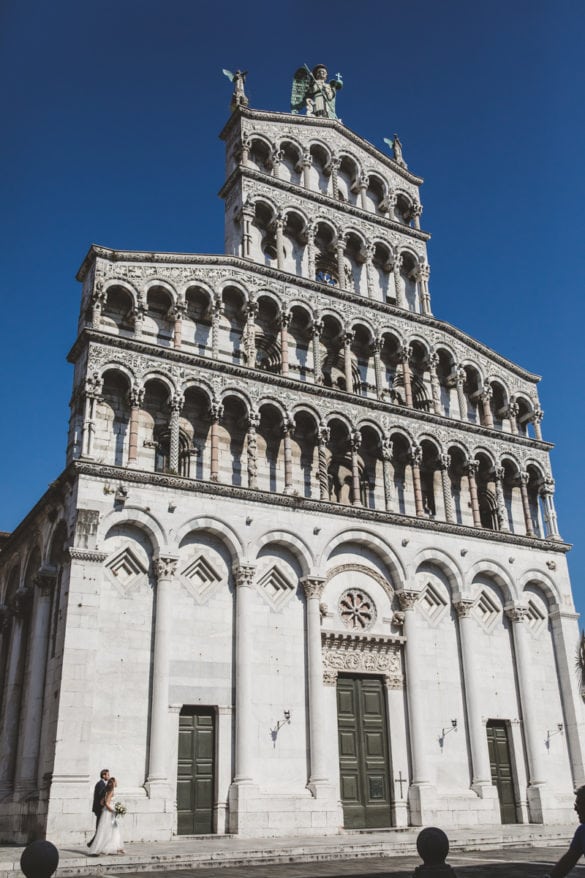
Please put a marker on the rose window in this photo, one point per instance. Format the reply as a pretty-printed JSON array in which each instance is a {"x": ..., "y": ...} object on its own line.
[{"x": 357, "y": 609}]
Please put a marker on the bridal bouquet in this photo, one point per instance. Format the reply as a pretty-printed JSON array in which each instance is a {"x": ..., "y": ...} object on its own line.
[{"x": 120, "y": 809}]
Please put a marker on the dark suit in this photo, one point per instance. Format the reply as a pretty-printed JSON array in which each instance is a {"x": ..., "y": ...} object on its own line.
[{"x": 98, "y": 794}]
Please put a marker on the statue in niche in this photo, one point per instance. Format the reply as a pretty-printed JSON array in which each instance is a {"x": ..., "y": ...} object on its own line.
[
  {"x": 238, "y": 79},
  {"x": 312, "y": 92}
]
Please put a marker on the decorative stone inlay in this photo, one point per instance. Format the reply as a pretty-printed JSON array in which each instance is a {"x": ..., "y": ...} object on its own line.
[
  {"x": 535, "y": 618},
  {"x": 486, "y": 611},
  {"x": 362, "y": 654},
  {"x": 200, "y": 578},
  {"x": 276, "y": 588},
  {"x": 431, "y": 603},
  {"x": 356, "y": 609},
  {"x": 125, "y": 570}
]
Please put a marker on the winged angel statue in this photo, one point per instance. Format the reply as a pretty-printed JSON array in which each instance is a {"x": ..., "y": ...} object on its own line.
[
  {"x": 312, "y": 92},
  {"x": 238, "y": 79}
]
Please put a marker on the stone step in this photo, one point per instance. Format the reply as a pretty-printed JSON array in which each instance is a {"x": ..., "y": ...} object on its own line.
[{"x": 197, "y": 852}]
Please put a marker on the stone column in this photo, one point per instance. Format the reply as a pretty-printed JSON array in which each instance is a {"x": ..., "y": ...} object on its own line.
[
  {"x": 435, "y": 386},
  {"x": 93, "y": 392},
  {"x": 415, "y": 462},
  {"x": 414, "y": 672},
  {"x": 275, "y": 161},
  {"x": 499, "y": 474},
  {"x": 565, "y": 633},
  {"x": 306, "y": 162},
  {"x": 316, "y": 339},
  {"x": 460, "y": 378},
  {"x": 165, "y": 569},
  {"x": 178, "y": 313},
  {"x": 347, "y": 340},
  {"x": 287, "y": 430},
  {"x": 444, "y": 464},
  {"x": 252, "y": 449},
  {"x": 485, "y": 396},
  {"x": 398, "y": 283},
  {"x": 416, "y": 215},
  {"x": 340, "y": 251},
  {"x": 523, "y": 479},
  {"x": 247, "y": 218},
  {"x": 216, "y": 313},
  {"x": 369, "y": 262},
  {"x": 250, "y": 333},
  {"x": 245, "y": 151},
  {"x": 534, "y": 746},
  {"x": 547, "y": 490},
  {"x": 362, "y": 186},
  {"x": 216, "y": 413},
  {"x": 20, "y": 607},
  {"x": 98, "y": 300},
  {"x": 244, "y": 577},
  {"x": 176, "y": 406},
  {"x": 480, "y": 762},
  {"x": 387, "y": 454},
  {"x": 404, "y": 357},
  {"x": 310, "y": 236},
  {"x": 135, "y": 399},
  {"x": 471, "y": 468},
  {"x": 324, "y": 434},
  {"x": 334, "y": 167},
  {"x": 513, "y": 409},
  {"x": 279, "y": 226},
  {"x": 313, "y": 587},
  {"x": 32, "y": 708},
  {"x": 376, "y": 348},
  {"x": 537, "y": 420},
  {"x": 424, "y": 272},
  {"x": 138, "y": 316},
  {"x": 285, "y": 318},
  {"x": 355, "y": 442}
]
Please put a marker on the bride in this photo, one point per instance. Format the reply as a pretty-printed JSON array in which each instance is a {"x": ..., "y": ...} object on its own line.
[{"x": 108, "y": 839}]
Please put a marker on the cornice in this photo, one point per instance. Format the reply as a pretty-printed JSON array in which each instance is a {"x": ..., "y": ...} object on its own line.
[
  {"x": 250, "y": 495},
  {"x": 314, "y": 122},
  {"x": 312, "y": 390},
  {"x": 343, "y": 207},
  {"x": 283, "y": 277}
]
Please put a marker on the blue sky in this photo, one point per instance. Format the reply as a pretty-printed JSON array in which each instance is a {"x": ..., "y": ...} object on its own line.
[{"x": 111, "y": 112}]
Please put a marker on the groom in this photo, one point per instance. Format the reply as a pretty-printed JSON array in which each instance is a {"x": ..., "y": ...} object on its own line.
[{"x": 98, "y": 794}]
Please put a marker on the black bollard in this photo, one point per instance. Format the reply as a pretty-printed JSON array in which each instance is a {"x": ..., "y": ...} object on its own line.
[
  {"x": 39, "y": 859},
  {"x": 432, "y": 845}
]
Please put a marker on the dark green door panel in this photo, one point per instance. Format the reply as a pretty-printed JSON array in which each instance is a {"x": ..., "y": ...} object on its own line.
[
  {"x": 501, "y": 768},
  {"x": 196, "y": 771}
]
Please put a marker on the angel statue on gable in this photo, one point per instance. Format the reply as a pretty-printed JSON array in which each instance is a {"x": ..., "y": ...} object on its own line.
[{"x": 311, "y": 91}]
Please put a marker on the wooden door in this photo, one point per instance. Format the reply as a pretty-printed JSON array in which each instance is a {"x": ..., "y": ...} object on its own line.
[
  {"x": 364, "y": 765},
  {"x": 501, "y": 768},
  {"x": 196, "y": 771}
]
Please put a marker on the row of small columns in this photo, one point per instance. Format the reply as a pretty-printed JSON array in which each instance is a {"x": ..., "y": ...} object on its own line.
[
  {"x": 415, "y": 459},
  {"x": 422, "y": 271},
  {"x": 360, "y": 184},
  {"x": 457, "y": 377},
  {"x": 414, "y": 660},
  {"x": 20, "y": 729}
]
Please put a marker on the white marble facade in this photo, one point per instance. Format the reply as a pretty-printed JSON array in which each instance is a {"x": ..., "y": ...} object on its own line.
[{"x": 283, "y": 471}]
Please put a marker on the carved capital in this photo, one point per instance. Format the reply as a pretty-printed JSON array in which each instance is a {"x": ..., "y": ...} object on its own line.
[
  {"x": 45, "y": 579},
  {"x": 499, "y": 473},
  {"x": 136, "y": 396},
  {"x": 317, "y": 328},
  {"x": 387, "y": 448},
  {"x": 216, "y": 411},
  {"x": 244, "y": 575},
  {"x": 284, "y": 319},
  {"x": 516, "y": 612},
  {"x": 21, "y": 602},
  {"x": 355, "y": 440},
  {"x": 93, "y": 385},
  {"x": 5, "y": 615},
  {"x": 415, "y": 455},
  {"x": 177, "y": 402},
  {"x": 463, "y": 607},
  {"x": 486, "y": 393},
  {"x": 253, "y": 419},
  {"x": 313, "y": 586},
  {"x": 547, "y": 486},
  {"x": 444, "y": 461},
  {"x": 471, "y": 467},
  {"x": 404, "y": 353},
  {"x": 324, "y": 434},
  {"x": 165, "y": 567},
  {"x": 537, "y": 416},
  {"x": 523, "y": 478},
  {"x": 407, "y": 599}
]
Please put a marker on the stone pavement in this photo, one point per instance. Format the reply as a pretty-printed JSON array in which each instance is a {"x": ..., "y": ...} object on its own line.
[{"x": 502, "y": 852}]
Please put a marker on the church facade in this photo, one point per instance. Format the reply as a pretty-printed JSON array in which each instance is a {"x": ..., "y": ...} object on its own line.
[{"x": 302, "y": 571}]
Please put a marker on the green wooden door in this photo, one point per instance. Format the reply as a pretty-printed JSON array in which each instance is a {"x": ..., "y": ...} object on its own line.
[
  {"x": 196, "y": 769},
  {"x": 501, "y": 768},
  {"x": 363, "y": 752}
]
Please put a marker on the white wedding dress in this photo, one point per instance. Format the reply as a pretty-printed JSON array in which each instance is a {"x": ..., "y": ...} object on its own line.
[{"x": 108, "y": 839}]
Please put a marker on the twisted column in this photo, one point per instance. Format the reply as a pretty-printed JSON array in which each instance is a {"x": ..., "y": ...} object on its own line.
[
  {"x": 387, "y": 454},
  {"x": 347, "y": 340},
  {"x": 165, "y": 569},
  {"x": 216, "y": 413},
  {"x": 176, "y": 406},
  {"x": 460, "y": 378},
  {"x": 444, "y": 464},
  {"x": 369, "y": 262},
  {"x": 217, "y": 311},
  {"x": 287, "y": 430},
  {"x": 316, "y": 339},
  {"x": 375, "y": 349},
  {"x": 313, "y": 587},
  {"x": 547, "y": 490},
  {"x": 399, "y": 283},
  {"x": 250, "y": 333},
  {"x": 324, "y": 434},
  {"x": 32, "y": 708},
  {"x": 499, "y": 474},
  {"x": 334, "y": 167},
  {"x": 404, "y": 357},
  {"x": 471, "y": 468},
  {"x": 340, "y": 253},
  {"x": 415, "y": 462},
  {"x": 279, "y": 226},
  {"x": 252, "y": 449},
  {"x": 433, "y": 363},
  {"x": 244, "y": 577},
  {"x": 310, "y": 236},
  {"x": 523, "y": 479},
  {"x": 285, "y": 318}
]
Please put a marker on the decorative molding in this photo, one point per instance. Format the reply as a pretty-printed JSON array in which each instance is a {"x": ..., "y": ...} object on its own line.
[
  {"x": 362, "y": 654},
  {"x": 87, "y": 555}
]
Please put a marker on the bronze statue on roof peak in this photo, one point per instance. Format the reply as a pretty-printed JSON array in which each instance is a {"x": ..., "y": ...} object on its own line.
[{"x": 312, "y": 92}]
